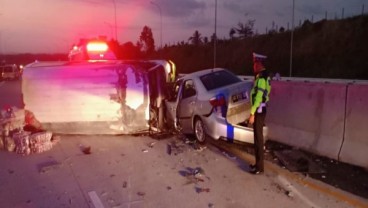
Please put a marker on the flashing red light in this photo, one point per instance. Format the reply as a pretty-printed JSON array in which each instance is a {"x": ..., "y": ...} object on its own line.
[{"x": 97, "y": 47}]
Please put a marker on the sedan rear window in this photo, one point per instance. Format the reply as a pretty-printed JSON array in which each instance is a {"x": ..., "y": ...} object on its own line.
[{"x": 219, "y": 79}]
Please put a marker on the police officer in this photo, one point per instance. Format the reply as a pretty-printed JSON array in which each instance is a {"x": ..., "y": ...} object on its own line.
[{"x": 259, "y": 98}]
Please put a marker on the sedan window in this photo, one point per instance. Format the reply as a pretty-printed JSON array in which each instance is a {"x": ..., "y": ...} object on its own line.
[
  {"x": 219, "y": 79},
  {"x": 189, "y": 89}
]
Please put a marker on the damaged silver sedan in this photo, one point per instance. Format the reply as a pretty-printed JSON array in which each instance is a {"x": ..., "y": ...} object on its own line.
[{"x": 211, "y": 103}]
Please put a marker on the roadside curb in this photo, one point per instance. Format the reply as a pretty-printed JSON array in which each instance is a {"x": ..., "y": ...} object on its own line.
[{"x": 339, "y": 195}]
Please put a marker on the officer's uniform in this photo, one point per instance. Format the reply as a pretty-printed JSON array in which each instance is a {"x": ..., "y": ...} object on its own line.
[{"x": 259, "y": 98}]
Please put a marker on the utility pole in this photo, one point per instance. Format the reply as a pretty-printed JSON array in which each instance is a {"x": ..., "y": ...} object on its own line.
[
  {"x": 362, "y": 9},
  {"x": 110, "y": 27},
  {"x": 342, "y": 13},
  {"x": 291, "y": 41}
]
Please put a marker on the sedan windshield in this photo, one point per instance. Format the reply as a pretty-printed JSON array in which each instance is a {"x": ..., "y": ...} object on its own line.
[{"x": 218, "y": 79}]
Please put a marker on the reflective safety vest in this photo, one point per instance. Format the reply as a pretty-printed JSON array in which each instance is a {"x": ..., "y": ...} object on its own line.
[{"x": 260, "y": 92}]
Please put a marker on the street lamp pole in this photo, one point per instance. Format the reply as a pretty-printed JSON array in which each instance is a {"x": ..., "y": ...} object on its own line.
[
  {"x": 159, "y": 8},
  {"x": 116, "y": 33},
  {"x": 1, "y": 47},
  {"x": 1, "y": 44},
  {"x": 215, "y": 38},
  {"x": 291, "y": 41}
]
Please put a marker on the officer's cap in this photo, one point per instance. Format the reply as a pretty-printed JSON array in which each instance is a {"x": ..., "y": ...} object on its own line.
[{"x": 259, "y": 58}]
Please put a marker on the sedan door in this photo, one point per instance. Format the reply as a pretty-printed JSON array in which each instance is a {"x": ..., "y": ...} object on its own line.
[
  {"x": 186, "y": 105},
  {"x": 171, "y": 104}
]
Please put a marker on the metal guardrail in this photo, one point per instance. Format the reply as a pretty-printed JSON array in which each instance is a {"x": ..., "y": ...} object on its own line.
[
  {"x": 319, "y": 80},
  {"x": 306, "y": 79}
]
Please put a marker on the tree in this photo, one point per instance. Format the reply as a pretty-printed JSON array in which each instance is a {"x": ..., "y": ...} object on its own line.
[
  {"x": 139, "y": 45},
  {"x": 146, "y": 40},
  {"x": 244, "y": 30},
  {"x": 307, "y": 23},
  {"x": 213, "y": 37},
  {"x": 196, "y": 39},
  {"x": 114, "y": 46},
  {"x": 232, "y": 33},
  {"x": 129, "y": 51}
]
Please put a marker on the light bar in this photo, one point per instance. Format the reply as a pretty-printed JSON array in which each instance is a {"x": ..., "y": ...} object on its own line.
[{"x": 97, "y": 47}]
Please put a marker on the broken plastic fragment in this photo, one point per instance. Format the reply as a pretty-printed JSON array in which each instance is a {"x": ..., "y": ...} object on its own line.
[
  {"x": 168, "y": 149},
  {"x": 150, "y": 145},
  {"x": 199, "y": 190},
  {"x": 87, "y": 150},
  {"x": 289, "y": 194},
  {"x": 197, "y": 171},
  {"x": 139, "y": 193},
  {"x": 229, "y": 156}
]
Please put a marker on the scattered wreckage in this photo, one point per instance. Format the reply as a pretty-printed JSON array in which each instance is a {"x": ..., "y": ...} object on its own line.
[{"x": 22, "y": 133}]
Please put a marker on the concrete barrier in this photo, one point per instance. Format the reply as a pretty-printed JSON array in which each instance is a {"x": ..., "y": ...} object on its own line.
[
  {"x": 327, "y": 117},
  {"x": 355, "y": 146},
  {"x": 308, "y": 115}
]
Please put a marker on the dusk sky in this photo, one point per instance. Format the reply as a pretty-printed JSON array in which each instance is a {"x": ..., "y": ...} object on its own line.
[{"x": 49, "y": 26}]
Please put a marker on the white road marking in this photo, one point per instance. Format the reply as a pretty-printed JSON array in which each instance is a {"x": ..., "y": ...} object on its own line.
[
  {"x": 95, "y": 199},
  {"x": 291, "y": 188}
]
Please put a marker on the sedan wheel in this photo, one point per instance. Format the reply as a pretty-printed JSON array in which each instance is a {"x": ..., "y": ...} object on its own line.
[{"x": 199, "y": 131}]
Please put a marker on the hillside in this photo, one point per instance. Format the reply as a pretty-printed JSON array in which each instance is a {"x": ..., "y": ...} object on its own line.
[{"x": 325, "y": 49}]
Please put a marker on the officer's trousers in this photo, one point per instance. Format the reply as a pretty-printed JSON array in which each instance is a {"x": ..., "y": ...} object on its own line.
[{"x": 259, "y": 120}]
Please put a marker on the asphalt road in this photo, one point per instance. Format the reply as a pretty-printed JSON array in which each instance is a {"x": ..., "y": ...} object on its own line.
[
  {"x": 152, "y": 171},
  {"x": 127, "y": 171}
]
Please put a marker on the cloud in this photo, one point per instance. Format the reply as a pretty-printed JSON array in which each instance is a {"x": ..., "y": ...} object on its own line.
[
  {"x": 180, "y": 8},
  {"x": 54, "y": 24},
  {"x": 240, "y": 7}
]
